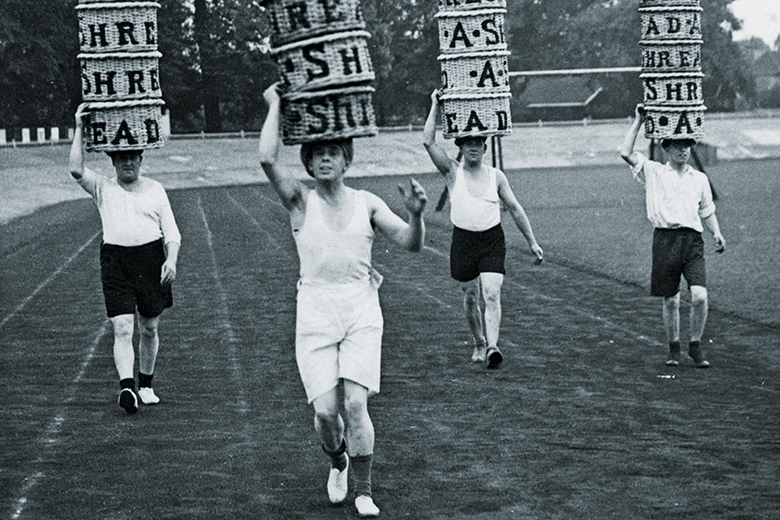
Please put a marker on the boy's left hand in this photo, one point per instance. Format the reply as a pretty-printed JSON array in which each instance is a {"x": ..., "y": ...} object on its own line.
[{"x": 415, "y": 198}]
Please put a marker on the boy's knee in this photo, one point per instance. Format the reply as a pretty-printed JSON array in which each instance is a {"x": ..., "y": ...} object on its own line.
[{"x": 698, "y": 295}]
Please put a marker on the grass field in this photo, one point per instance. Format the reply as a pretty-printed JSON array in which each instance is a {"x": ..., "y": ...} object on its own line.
[{"x": 583, "y": 420}]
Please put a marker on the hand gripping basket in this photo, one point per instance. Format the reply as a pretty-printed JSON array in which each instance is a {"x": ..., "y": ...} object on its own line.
[
  {"x": 461, "y": 5},
  {"x": 674, "y": 123},
  {"x": 118, "y": 26},
  {"x": 124, "y": 125},
  {"x": 475, "y": 72},
  {"x": 475, "y": 114},
  {"x": 328, "y": 114},
  {"x": 295, "y": 20},
  {"x": 678, "y": 90},
  {"x": 331, "y": 60},
  {"x": 671, "y": 23},
  {"x": 120, "y": 76},
  {"x": 471, "y": 31},
  {"x": 671, "y": 56}
]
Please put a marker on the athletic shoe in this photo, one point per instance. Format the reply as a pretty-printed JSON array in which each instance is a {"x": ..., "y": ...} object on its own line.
[
  {"x": 128, "y": 400},
  {"x": 338, "y": 485},
  {"x": 674, "y": 358},
  {"x": 479, "y": 354},
  {"x": 494, "y": 357},
  {"x": 365, "y": 506},
  {"x": 147, "y": 395},
  {"x": 698, "y": 357}
]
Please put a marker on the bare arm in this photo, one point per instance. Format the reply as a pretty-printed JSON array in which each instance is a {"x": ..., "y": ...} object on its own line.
[
  {"x": 409, "y": 235},
  {"x": 518, "y": 214},
  {"x": 288, "y": 188},
  {"x": 168, "y": 274},
  {"x": 439, "y": 157},
  {"x": 76, "y": 158},
  {"x": 711, "y": 223},
  {"x": 627, "y": 149}
]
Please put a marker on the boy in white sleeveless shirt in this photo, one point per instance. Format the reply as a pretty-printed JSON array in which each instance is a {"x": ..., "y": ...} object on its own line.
[
  {"x": 339, "y": 321},
  {"x": 478, "y": 249}
]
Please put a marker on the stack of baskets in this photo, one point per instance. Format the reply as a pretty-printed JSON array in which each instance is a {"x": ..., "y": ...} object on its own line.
[
  {"x": 475, "y": 93},
  {"x": 120, "y": 74},
  {"x": 671, "y": 69},
  {"x": 321, "y": 48}
]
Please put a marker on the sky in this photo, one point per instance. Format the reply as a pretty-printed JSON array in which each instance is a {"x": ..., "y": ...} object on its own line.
[{"x": 760, "y": 18}]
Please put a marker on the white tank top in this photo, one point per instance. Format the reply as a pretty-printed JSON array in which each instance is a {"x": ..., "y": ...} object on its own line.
[
  {"x": 330, "y": 257},
  {"x": 475, "y": 213}
]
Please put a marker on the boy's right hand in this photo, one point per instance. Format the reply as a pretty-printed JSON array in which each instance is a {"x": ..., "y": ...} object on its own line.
[
  {"x": 271, "y": 94},
  {"x": 639, "y": 112},
  {"x": 81, "y": 112}
]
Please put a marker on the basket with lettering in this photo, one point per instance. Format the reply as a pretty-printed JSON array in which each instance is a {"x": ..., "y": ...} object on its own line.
[
  {"x": 471, "y": 31},
  {"x": 460, "y": 5},
  {"x": 327, "y": 61},
  {"x": 124, "y": 125},
  {"x": 120, "y": 76},
  {"x": 328, "y": 114},
  {"x": 294, "y": 20},
  {"x": 118, "y": 26},
  {"x": 474, "y": 72},
  {"x": 673, "y": 90},
  {"x": 671, "y": 23},
  {"x": 671, "y": 57},
  {"x": 674, "y": 123},
  {"x": 480, "y": 114}
]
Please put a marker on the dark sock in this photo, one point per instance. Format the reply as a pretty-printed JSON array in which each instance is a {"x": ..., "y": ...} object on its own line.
[
  {"x": 127, "y": 383},
  {"x": 361, "y": 474},
  {"x": 145, "y": 381},
  {"x": 674, "y": 346},
  {"x": 693, "y": 346},
  {"x": 338, "y": 458}
]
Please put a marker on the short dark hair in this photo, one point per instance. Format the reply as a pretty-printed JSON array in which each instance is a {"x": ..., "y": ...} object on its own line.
[
  {"x": 460, "y": 141},
  {"x": 307, "y": 151},
  {"x": 666, "y": 143}
]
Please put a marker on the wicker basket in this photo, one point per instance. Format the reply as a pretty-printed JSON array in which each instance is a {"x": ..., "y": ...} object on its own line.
[
  {"x": 474, "y": 72},
  {"x": 668, "y": 3},
  {"x": 328, "y": 114},
  {"x": 118, "y": 27},
  {"x": 295, "y": 20},
  {"x": 678, "y": 90},
  {"x": 120, "y": 76},
  {"x": 328, "y": 61},
  {"x": 475, "y": 115},
  {"x": 471, "y": 31},
  {"x": 461, "y": 5},
  {"x": 124, "y": 125},
  {"x": 671, "y": 57},
  {"x": 674, "y": 123},
  {"x": 671, "y": 23}
]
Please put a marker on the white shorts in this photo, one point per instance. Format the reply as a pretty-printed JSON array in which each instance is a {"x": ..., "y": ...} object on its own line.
[{"x": 338, "y": 335}]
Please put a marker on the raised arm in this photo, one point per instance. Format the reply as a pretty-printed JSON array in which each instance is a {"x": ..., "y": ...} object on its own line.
[
  {"x": 439, "y": 157},
  {"x": 627, "y": 149},
  {"x": 409, "y": 235},
  {"x": 76, "y": 158},
  {"x": 507, "y": 196},
  {"x": 288, "y": 188}
]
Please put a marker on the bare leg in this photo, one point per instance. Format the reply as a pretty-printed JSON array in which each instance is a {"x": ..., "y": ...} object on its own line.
[
  {"x": 491, "y": 291},
  {"x": 672, "y": 318},
  {"x": 148, "y": 344},
  {"x": 124, "y": 356}
]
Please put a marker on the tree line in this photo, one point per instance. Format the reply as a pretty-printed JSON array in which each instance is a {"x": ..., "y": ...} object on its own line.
[{"x": 215, "y": 62}]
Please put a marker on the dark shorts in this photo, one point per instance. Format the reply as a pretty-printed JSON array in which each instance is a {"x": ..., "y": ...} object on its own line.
[
  {"x": 676, "y": 252},
  {"x": 131, "y": 279},
  {"x": 474, "y": 252}
]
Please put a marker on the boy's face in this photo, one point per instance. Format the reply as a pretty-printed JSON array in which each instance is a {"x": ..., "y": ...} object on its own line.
[
  {"x": 679, "y": 151},
  {"x": 327, "y": 161},
  {"x": 127, "y": 166},
  {"x": 473, "y": 148}
]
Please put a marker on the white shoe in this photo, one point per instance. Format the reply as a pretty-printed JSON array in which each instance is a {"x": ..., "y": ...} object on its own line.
[
  {"x": 365, "y": 506},
  {"x": 338, "y": 484},
  {"x": 147, "y": 395}
]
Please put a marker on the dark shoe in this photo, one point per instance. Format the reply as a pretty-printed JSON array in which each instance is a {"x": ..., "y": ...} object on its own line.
[
  {"x": 698, "y": 357},
  {"x": 673, "y": 359},
  {"x": 494, "y": 357},
  {"x": 128, "y": 400}
]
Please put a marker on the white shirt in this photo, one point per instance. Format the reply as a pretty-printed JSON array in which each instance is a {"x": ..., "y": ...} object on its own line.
[
  {"x": 475, "y": 213},
  {"x": 674, "y": 200},
  {"x": 131, "y": 218}
]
